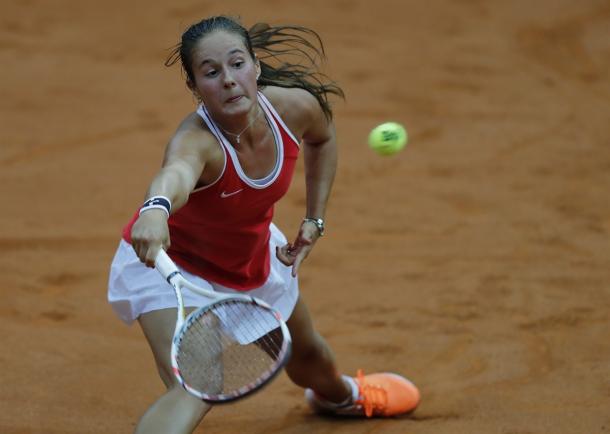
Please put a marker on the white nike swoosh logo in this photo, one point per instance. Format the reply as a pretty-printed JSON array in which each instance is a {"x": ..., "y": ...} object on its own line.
[{"x": 225, "y": 195}]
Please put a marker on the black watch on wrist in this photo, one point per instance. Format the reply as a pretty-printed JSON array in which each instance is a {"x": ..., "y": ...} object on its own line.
[{"x": 318, "y": 222}]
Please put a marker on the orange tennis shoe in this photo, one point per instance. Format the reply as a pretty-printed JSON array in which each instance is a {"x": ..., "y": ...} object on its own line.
[{"x": 375, "y": 395}]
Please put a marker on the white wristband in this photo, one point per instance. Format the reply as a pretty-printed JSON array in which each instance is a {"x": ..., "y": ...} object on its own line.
[{"x": 157, "y": 202}]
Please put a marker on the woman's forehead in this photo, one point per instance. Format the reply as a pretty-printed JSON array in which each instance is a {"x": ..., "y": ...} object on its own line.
[{"x": 219, "y": 43}]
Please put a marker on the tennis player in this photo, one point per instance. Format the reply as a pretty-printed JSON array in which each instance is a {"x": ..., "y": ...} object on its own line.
[{"x": 211, "y": 207}]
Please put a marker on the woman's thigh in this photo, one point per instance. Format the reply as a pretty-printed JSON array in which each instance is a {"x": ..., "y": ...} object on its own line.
[
  {"x": 158, "y": 327},
  {"x": 305, "y": 339}
]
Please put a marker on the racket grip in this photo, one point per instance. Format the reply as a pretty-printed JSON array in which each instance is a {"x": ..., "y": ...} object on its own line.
[{"x": 165, "y": 265}]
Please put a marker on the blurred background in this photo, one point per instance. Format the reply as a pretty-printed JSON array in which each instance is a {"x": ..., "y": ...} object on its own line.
[{"x": 475, "y": 262}]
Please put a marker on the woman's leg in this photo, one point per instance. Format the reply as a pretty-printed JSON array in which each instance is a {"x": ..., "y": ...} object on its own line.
[
  {"x": 176, "y": 411},
  {"x": 312, "y": 364}
]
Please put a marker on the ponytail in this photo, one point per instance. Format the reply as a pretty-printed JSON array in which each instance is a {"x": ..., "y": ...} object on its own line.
[{"x": 289, "y": 57}]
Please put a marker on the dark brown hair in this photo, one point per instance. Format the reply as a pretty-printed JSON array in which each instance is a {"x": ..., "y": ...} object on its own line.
[{"x": 289, "y": 55}]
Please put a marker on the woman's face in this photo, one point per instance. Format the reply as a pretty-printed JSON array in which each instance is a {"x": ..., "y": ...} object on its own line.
[{"x": 225, "y": 74}]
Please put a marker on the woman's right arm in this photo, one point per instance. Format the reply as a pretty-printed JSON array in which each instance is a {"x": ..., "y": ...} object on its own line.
[{"x": 183, "y": 165}]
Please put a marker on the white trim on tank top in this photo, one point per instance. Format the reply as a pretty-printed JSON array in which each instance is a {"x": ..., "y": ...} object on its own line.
[
  {"x": 228, "y": 148},
  {"x": 213, "y": 130},
  {"x": 267, "y": 103}
]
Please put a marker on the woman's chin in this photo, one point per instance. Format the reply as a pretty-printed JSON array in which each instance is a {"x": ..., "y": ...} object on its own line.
[{"x": 240, "y": 107}]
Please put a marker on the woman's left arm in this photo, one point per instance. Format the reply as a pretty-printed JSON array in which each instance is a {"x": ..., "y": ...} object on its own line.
[{"x": 320, "y": 150}]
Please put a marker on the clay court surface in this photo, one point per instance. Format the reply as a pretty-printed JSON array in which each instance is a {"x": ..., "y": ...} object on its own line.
[{"x": 476, "y": 262}]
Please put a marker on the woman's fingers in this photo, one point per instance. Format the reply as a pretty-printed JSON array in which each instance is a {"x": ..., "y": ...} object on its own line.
[
  {"x": 151, "y": 255},
  {"x": 294, "y": 254},
  {"x": 149, "y": 234},
  {"x": 301, "y": 254},
  {"x": 285, "y": 254}
]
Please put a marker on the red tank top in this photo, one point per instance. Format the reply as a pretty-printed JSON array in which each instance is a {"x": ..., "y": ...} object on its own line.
[{"x": 222, "y": 232}]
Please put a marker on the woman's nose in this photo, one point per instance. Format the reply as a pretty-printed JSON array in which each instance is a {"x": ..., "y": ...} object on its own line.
[{"x": 229, "y": 82}]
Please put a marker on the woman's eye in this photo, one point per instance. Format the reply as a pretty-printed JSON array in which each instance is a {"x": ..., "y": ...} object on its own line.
[
  {"x": 238, "y": 64},
  {"x": 211, "y": 73}
]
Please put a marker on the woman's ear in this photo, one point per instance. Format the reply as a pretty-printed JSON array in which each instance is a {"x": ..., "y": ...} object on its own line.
[
  {"x": 193, "y": 89},
  {"x": 191, "y": 85},
  {"x": 258, "y": 67}
]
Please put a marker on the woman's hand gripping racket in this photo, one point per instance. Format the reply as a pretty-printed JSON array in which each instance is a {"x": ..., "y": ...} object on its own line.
[{"x": 227, "y": 349}]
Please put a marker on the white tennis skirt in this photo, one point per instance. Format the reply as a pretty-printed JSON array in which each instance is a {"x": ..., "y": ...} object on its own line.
[{"x": 134, "y": 288}]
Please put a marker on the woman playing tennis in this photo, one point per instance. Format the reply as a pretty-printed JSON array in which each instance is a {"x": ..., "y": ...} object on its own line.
[{"x": 211, "y": 207}]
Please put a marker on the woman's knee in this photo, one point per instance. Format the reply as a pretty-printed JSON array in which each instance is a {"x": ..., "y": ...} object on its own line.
[
  {"x": 174, "y": 411},
  {"x": 309, "y": 347}
]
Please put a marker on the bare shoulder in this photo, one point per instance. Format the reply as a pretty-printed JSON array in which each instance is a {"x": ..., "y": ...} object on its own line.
[
  {"x": 292, "y": 98},
  {"x": 297, "y": 107},
  {"x": 192, "y": 136},
  {"x": 192, "y": 127}
]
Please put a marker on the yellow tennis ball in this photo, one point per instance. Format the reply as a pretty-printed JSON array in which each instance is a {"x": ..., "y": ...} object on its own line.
[{"x": 388, "y": 138}]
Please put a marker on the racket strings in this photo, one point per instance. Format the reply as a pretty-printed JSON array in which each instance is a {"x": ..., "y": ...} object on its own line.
[
  {"x": 200, "y": 355},
  {"x": 253, "y": 360},
  {"x": 247, "y": 362},
  {"x": 230, "y": 347}
]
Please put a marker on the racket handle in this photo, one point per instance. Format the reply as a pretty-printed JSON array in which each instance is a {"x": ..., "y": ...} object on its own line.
[{"x": 165, "y": 265}]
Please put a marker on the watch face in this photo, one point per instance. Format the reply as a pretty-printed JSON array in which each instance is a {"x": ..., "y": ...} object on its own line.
[{"x": 320, "y": 226}]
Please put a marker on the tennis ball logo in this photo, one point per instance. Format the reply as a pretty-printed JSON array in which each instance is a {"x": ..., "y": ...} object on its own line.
[{"x": 388, "y": 138}]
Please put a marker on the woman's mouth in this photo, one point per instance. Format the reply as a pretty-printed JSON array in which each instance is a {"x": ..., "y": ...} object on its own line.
[{"x": 235, "y": 98}]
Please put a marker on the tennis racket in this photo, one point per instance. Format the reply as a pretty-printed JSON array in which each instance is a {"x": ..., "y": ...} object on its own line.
[{"x": 228, "y": 348}]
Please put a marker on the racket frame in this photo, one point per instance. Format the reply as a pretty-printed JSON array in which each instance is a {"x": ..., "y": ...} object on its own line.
[{"x": 170, "y": 272}]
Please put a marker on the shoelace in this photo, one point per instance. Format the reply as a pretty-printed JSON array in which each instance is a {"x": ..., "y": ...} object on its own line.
[{"x": 373, "y": 398}]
